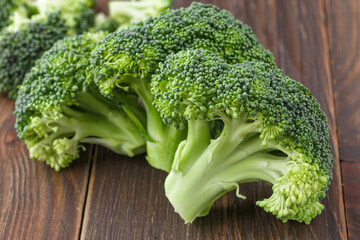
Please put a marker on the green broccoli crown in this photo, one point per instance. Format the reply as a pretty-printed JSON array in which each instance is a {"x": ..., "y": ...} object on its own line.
[
  {"x": 198, "y": 85},
  {"x": 14, "y": 12},
  {"x": 140, "y": 48},
  {"x": 274, "y": 130},
  {"x": 125, "y": 12},
  {"x": 54, "y": 81},
  {"x": 79, "y": 15},
  {"x": 20, "y": 49},
  {"x": 107, "y": 24},
  {"x": 84, "y": 19},
  {"x": 57, "y": 108},
  {"x": 5, "y": 12}
]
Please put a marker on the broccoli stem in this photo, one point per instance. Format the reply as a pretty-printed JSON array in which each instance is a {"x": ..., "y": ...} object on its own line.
[
  {"x": 164, "y": 138},
  {"x": 97, "y": 120},
  {"x": 192, "y": 194},
  {"x": 236, "y": 156}
]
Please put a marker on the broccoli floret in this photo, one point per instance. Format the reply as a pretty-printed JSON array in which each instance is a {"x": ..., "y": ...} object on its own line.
[
  {"x": 127, "y": 59},
  {"x": 5, "y": 12},
  {"x": 105, "y": 23},
  {"x": 15, "y": 11},
  {"x": 274, "y": 131},
  {"x": 126, "y": 12},
  {"x": 20, "y": 47},
  {"x": 59, "y": 108},
  {"x": 79, "y": 15},
  {"x": 30, "y": 34}
]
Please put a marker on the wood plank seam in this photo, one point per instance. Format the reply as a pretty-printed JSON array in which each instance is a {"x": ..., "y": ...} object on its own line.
[{"x": 92, "y": 157}]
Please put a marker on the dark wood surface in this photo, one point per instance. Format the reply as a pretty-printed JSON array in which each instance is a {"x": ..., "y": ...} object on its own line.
[
  {"x": 344, "y": 35},
  {"x": 35, "y": 201},
  {"x": 107, "y": 196},
  {"x": 351, "y": 180}
]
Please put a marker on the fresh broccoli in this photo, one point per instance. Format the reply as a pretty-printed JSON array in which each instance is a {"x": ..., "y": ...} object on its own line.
[
  {"x": 127, "y": 59},
  {"x": 59, "y": 108},
  {"x": 273, "y": 131},
  {"x": 15, "y": 11},
  {"x": 5, "y": 12},
  {"x": 21, "y": 45},
  {"x": 125, "y": 12},
  {"x": 105, "y": 23},
  {"x": 79, "y": 15}
]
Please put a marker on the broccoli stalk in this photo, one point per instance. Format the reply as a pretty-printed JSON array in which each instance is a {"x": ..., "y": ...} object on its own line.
[
  {"x": 203, "y": 173},
  {"x": 273, "y": 131},
  {"x": 162, "y": 140}
]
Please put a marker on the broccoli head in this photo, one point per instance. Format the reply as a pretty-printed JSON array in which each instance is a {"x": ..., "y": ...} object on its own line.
[
  {"x": 21, "y": 46},
  {"x": 79, "y": 15},
  {"x": 273, "y": 130},
  {"x": 59, "y": 108},
  {"x": 104, "y": 23},
  {"x": 15, "y": 11},
  {"x": 5, "y": 12},
  {"x": 127, "y": 59},
  {"x": 126, "y": 12}
]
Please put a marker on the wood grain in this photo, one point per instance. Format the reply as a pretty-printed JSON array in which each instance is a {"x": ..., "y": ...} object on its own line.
[
  {"x": 344, "y": 34},
  {"x": 35, "y": 201},
  {"x": 126, "y": 201},
  {"x": 133, "y": 206},
  {"x": 351, "y": 181}
]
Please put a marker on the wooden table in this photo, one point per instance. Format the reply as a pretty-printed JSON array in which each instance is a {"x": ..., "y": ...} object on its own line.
[{"x": 106, "y": 196}]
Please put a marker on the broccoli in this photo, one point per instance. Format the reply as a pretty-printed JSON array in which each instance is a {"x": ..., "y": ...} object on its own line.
[
  {"x": 127, "y": 59},
  {"x": 15, "y": 11},
  {"x": 273, "y": 131},
  {"x": 104, "y": 23},
  {"x": 125, "y": 12},
  {"x": 59, "y": 108},
  {"x": 21, "y": 45},
  {"x": 5, "y": 12},
  {"x": 79, "y": 15}
]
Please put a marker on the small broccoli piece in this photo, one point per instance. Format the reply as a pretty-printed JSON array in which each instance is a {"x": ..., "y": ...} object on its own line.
[
  {"x": 20, "y": 47},
  {"x": 15, "y": 12},
  {"x": 79, "y": 15},
  {"x": 274, "y": 131},
  {"x": 127, "y": 59},
  {"x": 59, "y": 108},
  {"x": 126, "y": 12},
  {"x": 5, "y": 12},
  {"x": 105, "y": 23}
]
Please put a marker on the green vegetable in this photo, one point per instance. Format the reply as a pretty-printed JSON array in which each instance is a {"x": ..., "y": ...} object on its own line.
[
  {"x": 273, "y": 131},
  {"x": 126, "y": 60},
  {"x": 194, "y": 85},
  {"x": 21, "y": 44},
  {"x": 105, "y": 23},
  {"x": 15, "y": 11},
  {"x": 130, "y": 11},
  {"x": 30, "y": 34},
  {"x": 5, "y": 12},
  {"x": 59, "y": 108},
  {"x": 79, "y": 15}
]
